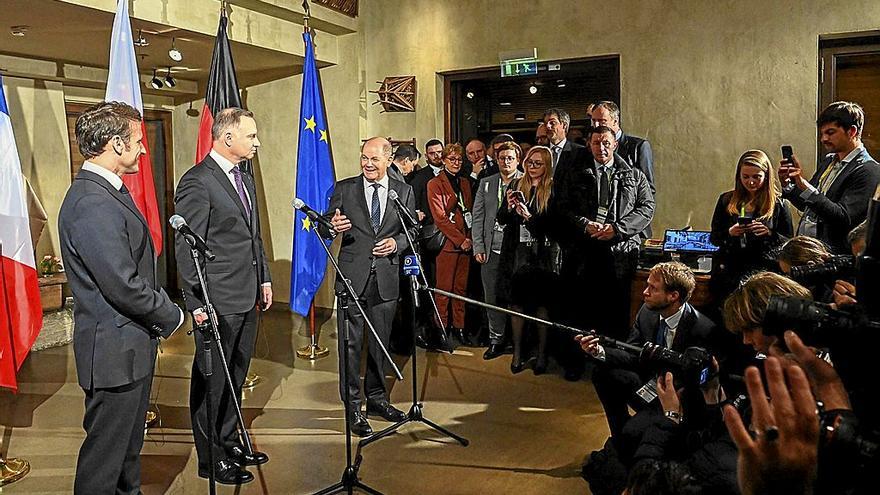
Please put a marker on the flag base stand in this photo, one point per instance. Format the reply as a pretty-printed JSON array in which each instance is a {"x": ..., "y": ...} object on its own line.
[
  {"x": 150, "y": 418},
  {"x": 251, "y": 380},
  {"x": 312, "y": 352},
  {"x": 13, "y": 469}
]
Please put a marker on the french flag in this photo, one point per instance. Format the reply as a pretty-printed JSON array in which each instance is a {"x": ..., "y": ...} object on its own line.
[
  {"x": 124, "y": 84},
  {"x": 21, "y": 315}
]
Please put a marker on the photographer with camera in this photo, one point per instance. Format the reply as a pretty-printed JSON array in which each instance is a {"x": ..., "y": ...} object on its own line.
[
  {"x": 808, "y": 261},
  {"x": 665, "y": 319}
]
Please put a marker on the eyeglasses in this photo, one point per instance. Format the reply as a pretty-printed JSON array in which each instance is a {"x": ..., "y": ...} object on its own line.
[
  {"x": 534, "y": 164},
  {"x": 453, "y": 160},
  {"x": 506, "y": 159}
]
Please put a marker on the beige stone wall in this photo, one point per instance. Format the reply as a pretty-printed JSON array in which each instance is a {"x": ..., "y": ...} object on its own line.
[{"x": 704, "y": 80}]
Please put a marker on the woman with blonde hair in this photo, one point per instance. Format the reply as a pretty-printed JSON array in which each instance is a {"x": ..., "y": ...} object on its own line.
[
  {"x": 749, "y": 222},
  {"x": 530, "y": 253}
]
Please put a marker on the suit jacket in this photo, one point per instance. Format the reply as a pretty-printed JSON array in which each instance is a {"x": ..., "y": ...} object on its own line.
[
  {"x": 111, "y": 268},
  {"x": 356, "y": 252},
  {"x": 694, "y": 330},
  {"x": 567, "y": 198},
  {"x": 637, "y": 153},
  {"x": 443, "y": 200},
  {"x": 845, "y": 205},
  {"x": 212, "y": 208},
  {"x": 486, "y": 206},
  {"x": 394, "y": 173},
  {"x": 419, "y": 183}
]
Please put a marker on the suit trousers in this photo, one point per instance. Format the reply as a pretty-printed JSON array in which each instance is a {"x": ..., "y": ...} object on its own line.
[
  {"x": 497, "y": 319},
  {"x": 238, "y": 335},
  {"x": 616, "y": 389},
  {"x": 381, "y": 313},
  {"x": 109, "y": 459},
  {"x": 452, "y": 276}
]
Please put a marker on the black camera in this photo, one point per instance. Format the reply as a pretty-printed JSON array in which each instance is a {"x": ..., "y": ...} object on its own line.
[
  {"x": 816, "y": 323},
  {"x": 692, "y": 367},
  {"x": 842, "y": 439},
  {"x": 834, "y": 268}
]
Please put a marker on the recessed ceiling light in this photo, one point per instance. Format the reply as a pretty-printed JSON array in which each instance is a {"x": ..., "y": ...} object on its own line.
[
  {"x": 469, "y": 95},
  {"x": 505, "y": 103},
  {"x": 519, "y": 116},
  {"x": 19, "y": 30},
  {"x": 533, "y": 89}
]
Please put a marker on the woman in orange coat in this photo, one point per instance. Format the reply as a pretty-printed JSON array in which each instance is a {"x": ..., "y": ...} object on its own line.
[{"x": 451, "y": 200}]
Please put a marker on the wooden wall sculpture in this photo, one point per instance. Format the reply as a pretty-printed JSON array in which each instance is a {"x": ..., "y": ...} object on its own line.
[{"x": 397, "y": 94}]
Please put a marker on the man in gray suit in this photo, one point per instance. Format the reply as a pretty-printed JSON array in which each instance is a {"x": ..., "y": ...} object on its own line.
[
  {"x": 488, "y": 234},
  {"x": 120, "y": 309},
  {"x": 372, "y": 238},
  {"x": 219, "y": 202}
]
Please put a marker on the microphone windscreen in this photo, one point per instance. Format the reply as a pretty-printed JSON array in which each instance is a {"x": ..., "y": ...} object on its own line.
[
  {"x": 392, "y": 194},
  {"x": 176, "y": 221}
]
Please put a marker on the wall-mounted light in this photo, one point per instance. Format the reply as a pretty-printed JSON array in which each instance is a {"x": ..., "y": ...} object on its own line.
[
  {"x": 169, "y": 81},
  {"x": 155, "y": 82},
  {"x": 533, "y": 89},
  {"x": 469, "y": 95},
  {"x": 140, "y": 41},
  {"x": 174, "y": 53}
]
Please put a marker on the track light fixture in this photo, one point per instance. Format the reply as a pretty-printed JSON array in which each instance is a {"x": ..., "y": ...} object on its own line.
[
  {"x": 170, "y": 81},
  {"x": 174, "y": 53},
  {"x": 155, "y": 82}
]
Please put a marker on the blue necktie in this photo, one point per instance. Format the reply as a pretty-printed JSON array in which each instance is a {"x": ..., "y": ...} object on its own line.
[
  {"x": 375, "y": 211},
  {"x": 661, "y": 333}
]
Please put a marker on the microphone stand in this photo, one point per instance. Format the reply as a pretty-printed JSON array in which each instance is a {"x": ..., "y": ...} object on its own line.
[
  {"x": 415, "y": 411},
  {"x": 211, "y": 333},
  {"x": 350, "y": 479}
]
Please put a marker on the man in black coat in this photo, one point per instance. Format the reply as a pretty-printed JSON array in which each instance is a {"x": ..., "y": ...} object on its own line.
[
  {"x": 372, "y": 239},
  {"x": 120, "y": 309},
  {"x": 219, "y": 202},
  {"x": 665, "y": 319},
  {"x": 835, "y": 200}
]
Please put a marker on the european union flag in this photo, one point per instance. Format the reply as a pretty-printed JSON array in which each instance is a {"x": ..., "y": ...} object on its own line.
[{"x": 315, "y": 179}]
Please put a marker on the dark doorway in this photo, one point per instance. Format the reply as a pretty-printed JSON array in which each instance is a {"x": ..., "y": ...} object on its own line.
[
  {"x": 158, "y": 124},
  {"x": 850, "y": 70},
  {"x": 480, "y": 103}
]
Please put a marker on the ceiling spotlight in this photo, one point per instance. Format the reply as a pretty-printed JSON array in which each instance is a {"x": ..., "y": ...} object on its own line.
[
  {"x": 141, "y": 41},
  {"x": 19, "y": 30},
  {"x": 560, "y": 83},
  {"x": 174, "y": 53},
  {"x": 155, "y": 82},
  {"x": 504, "y": 103},
  {"x": 469, "y": 95},
  {"x": 533, "y": 89},
  {"x": 519, "y": 116},
  {"x": 170, "y": 81},
  {"x": 192, "y": 112}
]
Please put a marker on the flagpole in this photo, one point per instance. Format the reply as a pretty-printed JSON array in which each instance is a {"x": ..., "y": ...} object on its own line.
[
  {"x": 11, "y": 469},
  {"x": 312, "y": 351}
]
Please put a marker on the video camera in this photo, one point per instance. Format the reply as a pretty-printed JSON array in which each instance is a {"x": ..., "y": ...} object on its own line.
[
  {"x": 817, "y": 323},
  {"x": 692, "y": 367},
  {"x": 837, "y": 267}
]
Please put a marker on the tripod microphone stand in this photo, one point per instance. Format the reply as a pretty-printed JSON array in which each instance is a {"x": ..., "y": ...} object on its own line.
[
  {"x": 350, "y": 479},
  {"x": 415, "y": 410},
  {"x": 211, "y": 333}
]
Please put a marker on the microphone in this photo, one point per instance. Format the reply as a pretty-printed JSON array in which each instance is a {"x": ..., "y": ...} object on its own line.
[
  {"x": 314, "y": 215},
  {"x": 392, "y": 195},
  {"x": 195, "y": 240}
]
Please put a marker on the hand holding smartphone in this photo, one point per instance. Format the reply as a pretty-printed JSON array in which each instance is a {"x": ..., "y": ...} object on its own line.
[{"x": 518, "y": 197}]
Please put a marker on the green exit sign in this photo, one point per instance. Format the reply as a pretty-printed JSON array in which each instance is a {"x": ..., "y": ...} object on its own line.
[{"x": 514, "y": 68}]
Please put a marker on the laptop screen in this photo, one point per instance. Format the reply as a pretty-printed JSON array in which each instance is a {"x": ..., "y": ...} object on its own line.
[{"x": 688, "y": 241}]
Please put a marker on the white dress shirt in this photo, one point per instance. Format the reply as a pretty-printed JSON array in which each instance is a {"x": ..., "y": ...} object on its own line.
[
  {"x": 227, "y": 166},
  {"x": 671, "y": 329}
]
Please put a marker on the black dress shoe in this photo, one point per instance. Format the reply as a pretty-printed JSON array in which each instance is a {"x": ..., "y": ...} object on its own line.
[
  {"x": 443, "y": 343},
  {"x": 493, "y": 351},
  {"x": 517, "y": 367},
  {"x": 422, "y": 342},
  {"x": 238, "y": 455},
  {"x": 540, "y": 368},
  {"x": 228, "y": 473},
  {"x": 574, "y": 373},
  {"x": 360, "y": 426},
  {"x": 385, "y": 410}
]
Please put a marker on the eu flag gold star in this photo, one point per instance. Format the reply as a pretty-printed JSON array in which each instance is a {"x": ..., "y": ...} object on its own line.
[
  {"x": 307, "y": 224},
  {"x": 310, "y": 124},
  {"x": 323, "y": 136}
]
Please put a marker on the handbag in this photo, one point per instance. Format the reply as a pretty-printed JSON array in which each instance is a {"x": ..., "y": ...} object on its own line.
[{"x": 432, "y": 238}]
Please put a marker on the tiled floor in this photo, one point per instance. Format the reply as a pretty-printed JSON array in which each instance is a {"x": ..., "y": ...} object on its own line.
[{"x": 528, "y": 435}]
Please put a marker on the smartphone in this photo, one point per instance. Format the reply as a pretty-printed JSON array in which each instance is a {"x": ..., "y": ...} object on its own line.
[
  {"x": 744, "y": 220},
  {"x": 518, "y": 196},
  {"x": 786, "y": 153}
]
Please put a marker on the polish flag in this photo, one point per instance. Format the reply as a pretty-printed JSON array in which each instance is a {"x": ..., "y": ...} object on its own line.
[
  {"x": 21, "y": 316},
  {"x": 124, "y": 84}
]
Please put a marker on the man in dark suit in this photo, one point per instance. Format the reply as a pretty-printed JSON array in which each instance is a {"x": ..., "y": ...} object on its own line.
[
  {"x": 120, "y": 308},
  {"x": 568, "y": 157},
  {"x": 372, "y": 238},
  {"x": 219, "y": 202},
  {"x": 634, "y": 150},
  {"x": 403, "y": 165},
  {"x": 666, "y": 319},
  {"x": 835, "y": 200}
]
